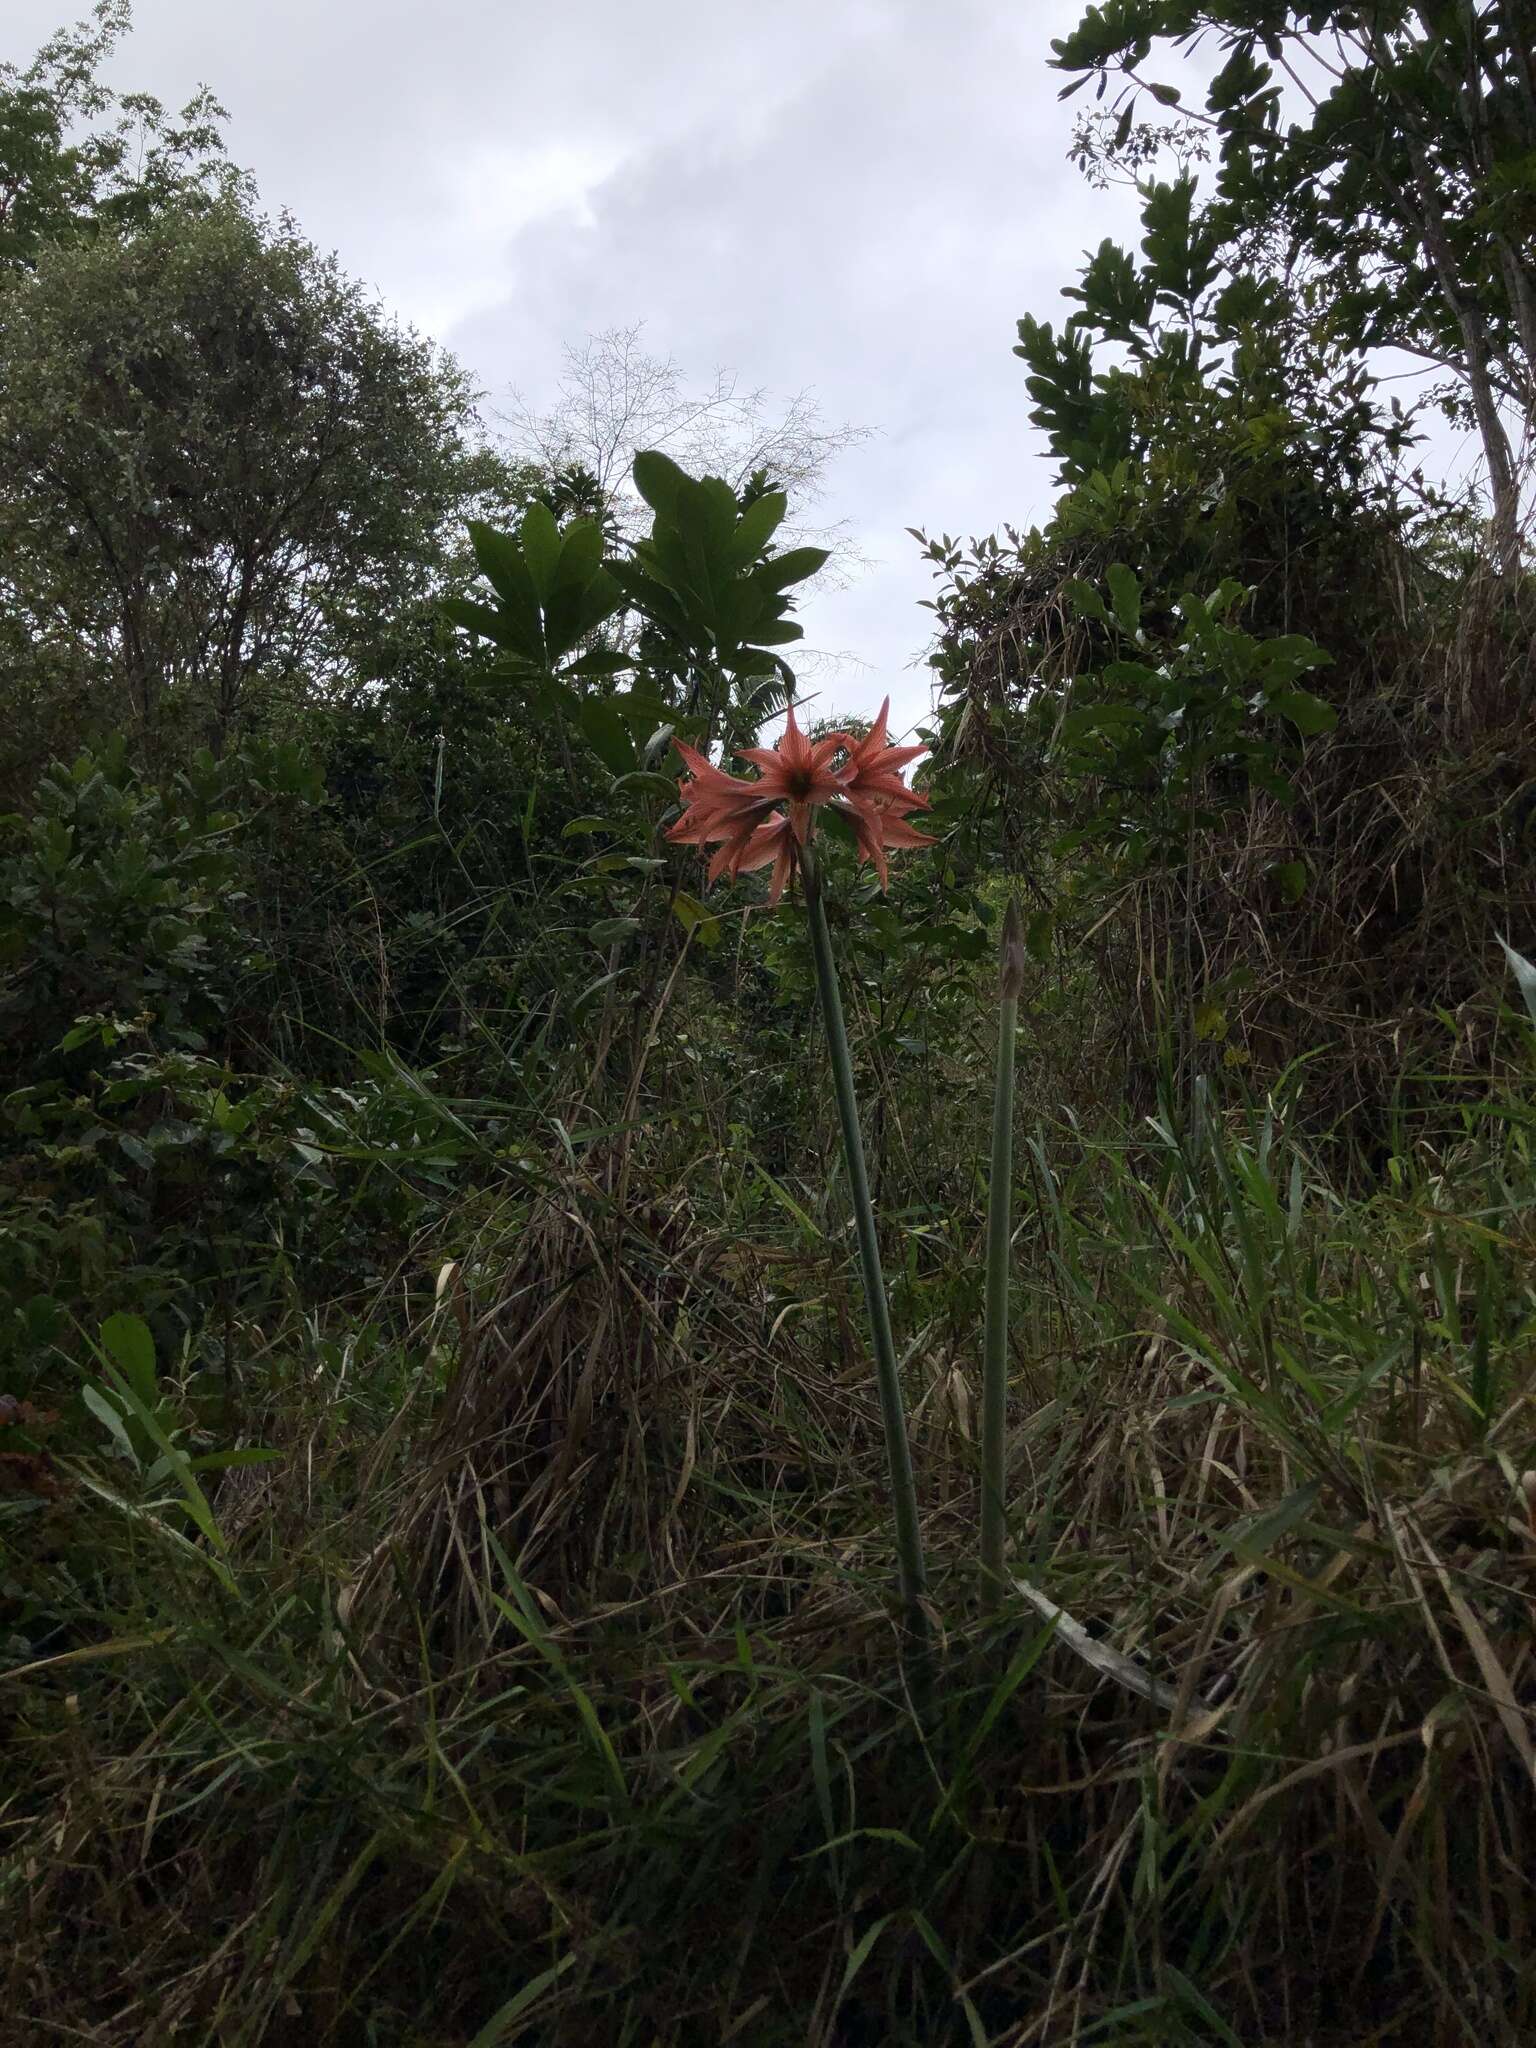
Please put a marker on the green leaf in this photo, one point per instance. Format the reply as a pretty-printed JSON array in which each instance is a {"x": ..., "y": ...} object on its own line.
[
  {"x": 659, "y": 481},
  {"x": 580, "y": 828},
  {"x": 793, "y": 566},
  {"x": 226, "y": 1461},
  {"x": 581, "y": 556},
  {"x": 1210, "y": 1022},
  {"x": 110, "y": 1415},
  {"x": 1038, "y": 935},
  {"x": 1085, "y": 600},
  {"x": 1289, "y": 655},
  {"x": 127, "y": 1340},
  {"x": 601, "y": 661},
  {"x": 540, "y": 536},
  {"x": 475, "y": 618},
  {"x": 501, "y": 562},
  {"x": 1307, "y": 713},
  {"x": 1291, "y": 879},
  {"x": 1258, "y": 1535},
  {"x": 603, "y": 728},
  {"x": 1125, "y": 595},
  {"x": 696, "y": 919},
  {"x": 609, "y": 930},
  {"x": 576, "y": 612},
  {"x": 496, "y": 2027},
  {"x": 1525, "y": 975},
  {"x": 757, "y": 526},
  {"x": 644, "y": 783}
]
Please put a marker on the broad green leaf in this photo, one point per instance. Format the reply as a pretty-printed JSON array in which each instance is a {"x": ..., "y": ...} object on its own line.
[
  {"x": 609, "y": 930},
  {"x": 757, "y": 526},
  {"x": 695, "y": 918},
  {"x": 574, "y": 613},
  {"x": 645, "y": 783},
  {"x": 1125, "y": 595},
  {"x": 1085, "y": 600},
  {"x": 1288, "y": 655},
  {"x": 501, "y": 563},
  {"x": 793, "y": 566},
  {"x": 659, "y": 480},
  {"x": 581, "y": 554},
  {"x": 605, "y": 731},
  {"x": 1038, "y": 935},
  {"x": 127, "y": 1340},
  {"x": 1291, "y": 879},
  {"x": 540, "y": 536},
  {"x": 1307, "y": 713},
  {"x": 602, "y": 661},
  {"x": 107, "y": 1412}
]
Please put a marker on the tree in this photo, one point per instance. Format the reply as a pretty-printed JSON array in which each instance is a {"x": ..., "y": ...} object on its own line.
[
  {"x": 1386, "y": 147},
  {"x": 221, "y": 468},
  {"x": 614, "y": 401},
  {"x": 76, "y": 157}
]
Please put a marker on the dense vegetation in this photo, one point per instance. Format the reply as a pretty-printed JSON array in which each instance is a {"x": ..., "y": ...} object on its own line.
[{"x": 446, "y": 1506}]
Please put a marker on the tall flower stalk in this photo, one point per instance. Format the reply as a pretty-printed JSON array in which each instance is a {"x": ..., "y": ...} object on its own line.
[
  {"x": 770, "y": 820},
  {"x": 994, "y": 1382},
  {"x": 912, "y": 1576}
]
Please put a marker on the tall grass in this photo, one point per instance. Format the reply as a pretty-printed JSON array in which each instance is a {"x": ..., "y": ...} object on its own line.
[{"x": 668, "y": 1789}]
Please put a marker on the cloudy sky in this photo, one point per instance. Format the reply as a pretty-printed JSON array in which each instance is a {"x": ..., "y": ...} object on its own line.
[{"x": 858, "y": 197}]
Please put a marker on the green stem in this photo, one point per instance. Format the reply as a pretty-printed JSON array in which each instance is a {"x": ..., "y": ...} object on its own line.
[
  {"x": 912, "y": 1580},
  {"x": 994, "y": 1380}
]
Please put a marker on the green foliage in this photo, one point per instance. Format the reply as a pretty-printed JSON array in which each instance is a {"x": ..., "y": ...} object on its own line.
[
  {"x": 444, "y": 1502},
  {"x": 1398, "y": 179},
  {"x": 161, "y": 392},
  {"x": 1165, "y": 733},
  {"x": 77, "y": 159},
  {"x": 115, "y": 911}
]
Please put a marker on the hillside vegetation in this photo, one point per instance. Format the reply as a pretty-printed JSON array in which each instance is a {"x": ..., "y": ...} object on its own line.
[{"x": 926, "y": 1439}]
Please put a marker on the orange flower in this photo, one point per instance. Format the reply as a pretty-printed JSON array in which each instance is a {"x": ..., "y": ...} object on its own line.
[
  {"x": 872, "y": 767},
  {"x": 740, "y": 817},
  {"x": 877, "y": 826},
  {"x": 876, "y": 797},
  {"x": 737, "y": 816}
]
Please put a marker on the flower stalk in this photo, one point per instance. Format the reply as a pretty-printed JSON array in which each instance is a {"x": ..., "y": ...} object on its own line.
[
  {"x": 912, "y": 1580},
  {"x": 994, "y": 1382},
  {"x": 768, "y": 821}
]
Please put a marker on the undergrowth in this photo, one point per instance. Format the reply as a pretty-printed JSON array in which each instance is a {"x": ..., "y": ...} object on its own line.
[{"x": 542, "y": 1687}]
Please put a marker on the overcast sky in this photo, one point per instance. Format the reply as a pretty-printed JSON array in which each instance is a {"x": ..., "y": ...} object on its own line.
[{"x": 860, "y": 197}]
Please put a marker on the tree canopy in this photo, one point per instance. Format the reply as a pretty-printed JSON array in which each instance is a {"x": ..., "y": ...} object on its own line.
[{"x": 1385, "y": 154}]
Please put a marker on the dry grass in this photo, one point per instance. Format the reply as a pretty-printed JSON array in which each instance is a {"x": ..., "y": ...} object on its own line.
[{"x": 584, "y": 1692}]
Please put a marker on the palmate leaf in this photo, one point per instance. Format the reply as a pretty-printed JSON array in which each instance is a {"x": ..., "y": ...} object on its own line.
[
  {"x": 501, "y": 563},
  {"x": 702, "y": 576},
  {"x": 554, "y": 591}
]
